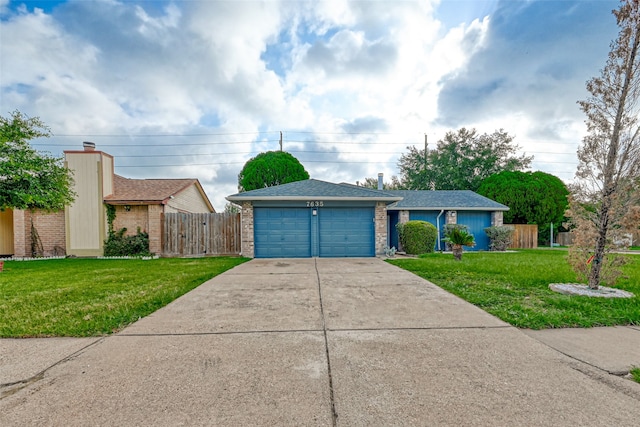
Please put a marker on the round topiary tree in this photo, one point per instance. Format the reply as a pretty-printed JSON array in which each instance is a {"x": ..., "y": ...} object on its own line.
[
  {"x": 533, "y": 198},
  {"x": 269, "y": 169},
  {"x": 417, "y": 237}
]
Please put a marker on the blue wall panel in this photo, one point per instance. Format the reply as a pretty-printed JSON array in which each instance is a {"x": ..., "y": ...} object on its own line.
[{"x": 477, "y": 221}]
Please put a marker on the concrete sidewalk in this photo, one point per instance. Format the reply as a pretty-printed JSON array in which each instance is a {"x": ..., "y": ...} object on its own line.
[{"x": 348, "y": 342}]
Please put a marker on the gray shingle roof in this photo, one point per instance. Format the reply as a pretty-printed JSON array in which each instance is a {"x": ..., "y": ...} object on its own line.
[
  {"x": 443, "y": 199},
  {"x": 404, "y": 199},
  {"x": 313, "y": 188}
]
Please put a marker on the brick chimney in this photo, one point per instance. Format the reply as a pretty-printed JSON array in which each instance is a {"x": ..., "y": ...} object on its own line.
[{"x": 89, "y": 146}]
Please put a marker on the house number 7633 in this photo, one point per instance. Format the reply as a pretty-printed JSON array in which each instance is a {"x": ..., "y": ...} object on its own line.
[{"x": 315, "y": 204}]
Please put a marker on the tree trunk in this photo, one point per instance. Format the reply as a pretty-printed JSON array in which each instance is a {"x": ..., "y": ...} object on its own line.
[
  {"x": 610, "y": 178},
  {"x": 457, "y": 252},
  {"x": 601, "y": 242}
]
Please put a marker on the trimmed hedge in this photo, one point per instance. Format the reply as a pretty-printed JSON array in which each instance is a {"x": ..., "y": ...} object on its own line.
[{"x": 417, "y": 237}]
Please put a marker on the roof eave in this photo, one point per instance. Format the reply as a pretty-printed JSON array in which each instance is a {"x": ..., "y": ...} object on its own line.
[
  {"x": 447, "y": 208},
  {"x": 133, "y": 202},
  {"x": 305, "y": 198}
]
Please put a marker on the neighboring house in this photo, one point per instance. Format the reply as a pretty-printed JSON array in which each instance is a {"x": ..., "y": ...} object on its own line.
[
  {"x": 82, "y": 227},
  {"x": 315, "y": 218}
]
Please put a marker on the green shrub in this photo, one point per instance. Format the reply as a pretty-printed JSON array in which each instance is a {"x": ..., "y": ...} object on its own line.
[
  {"x": 417, "y": 237},
  {"x": 118, "y": 244},
  {"x": 456, "y": 236},
  {"x": 500, "y": 237}
]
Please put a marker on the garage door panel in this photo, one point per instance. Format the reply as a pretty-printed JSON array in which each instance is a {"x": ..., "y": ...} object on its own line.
[
  {"x": 282, "y": 232},
  {"x": 346, "y": 232}
]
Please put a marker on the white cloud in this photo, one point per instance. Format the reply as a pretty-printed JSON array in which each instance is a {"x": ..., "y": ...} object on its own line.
[{"x": 227, "y": 72}]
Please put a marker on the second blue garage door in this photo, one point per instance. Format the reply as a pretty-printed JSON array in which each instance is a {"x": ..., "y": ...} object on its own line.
[
  {"x": 346, "y": 232},
  {"x": 296, "y": 232}
]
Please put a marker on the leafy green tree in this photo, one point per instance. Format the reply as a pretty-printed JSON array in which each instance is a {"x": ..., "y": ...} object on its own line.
[
  {"x": 30, "y": 179},
  {"x": 461, "y": 161},
  {"x": 269, "y": 169},
  {"x": 533, "y": 198},
  {"x": 605, "y": 196}
]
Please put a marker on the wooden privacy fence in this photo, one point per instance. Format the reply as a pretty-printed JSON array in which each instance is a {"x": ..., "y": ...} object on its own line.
[
  {"x": 188, "y": 234},
  {"x": 525, "y": 236}
]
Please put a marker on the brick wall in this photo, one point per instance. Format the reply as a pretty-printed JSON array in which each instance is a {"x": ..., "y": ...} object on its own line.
[
  {"x": 451, "y": 217},
  {"x": 147, "y": 217},
  {"x": 497, "y": 219},
  {"x": 248, "y": 245},
  {"x": 20, "y": 244},
  {"x": 155, "y": 229},
  {"x": 381, "y": 227},
  {"x": 136, "y": 216},
  {"x": 50, "y": 228}
]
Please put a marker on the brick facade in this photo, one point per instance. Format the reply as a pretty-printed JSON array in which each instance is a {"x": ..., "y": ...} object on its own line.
[
  {"x": 21, "y": 246},
  {"x": 497, "y": 219},
  {"x": 155, "y": 229},
  {"x": 381, "y": 227},
  {"x": 50, "y": 228},
  {"x": 451, "y": 217},
  {"x": 136, "y": 216},
  {"x": 248, "y": 245}
]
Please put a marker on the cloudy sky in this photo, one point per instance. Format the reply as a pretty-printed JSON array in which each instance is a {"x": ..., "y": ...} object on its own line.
[{"x": 196, "y": 88}]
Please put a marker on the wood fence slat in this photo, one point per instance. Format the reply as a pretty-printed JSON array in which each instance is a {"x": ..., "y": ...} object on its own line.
[
  {"x": 189, "y": 234},
  {"x": 525, "y": 236}
]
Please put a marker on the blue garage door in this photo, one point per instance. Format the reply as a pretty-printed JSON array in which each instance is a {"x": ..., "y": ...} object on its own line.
[
  {"x": 346, "y": 232},
  {"x": 282, "y": 232},
  {"x": 477, "y": 222}
]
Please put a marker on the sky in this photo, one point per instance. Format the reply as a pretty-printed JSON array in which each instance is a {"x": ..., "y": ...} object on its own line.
[{"x": 194, "y": 89}]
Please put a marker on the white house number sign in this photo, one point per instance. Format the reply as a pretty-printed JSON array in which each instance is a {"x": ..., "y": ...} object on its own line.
[{"x": 315, "y": 204}]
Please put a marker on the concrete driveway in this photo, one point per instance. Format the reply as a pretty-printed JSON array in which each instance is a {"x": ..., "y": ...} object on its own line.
[{"x": 311, "y": 342}]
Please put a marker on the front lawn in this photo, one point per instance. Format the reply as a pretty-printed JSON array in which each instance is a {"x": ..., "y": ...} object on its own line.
[
  {"x": 515, "y": 288},
  {"x": 88, "y": 297}
]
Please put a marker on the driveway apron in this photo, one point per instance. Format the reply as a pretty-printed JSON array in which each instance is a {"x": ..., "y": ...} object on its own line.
[{"x": 319, "y": 342}]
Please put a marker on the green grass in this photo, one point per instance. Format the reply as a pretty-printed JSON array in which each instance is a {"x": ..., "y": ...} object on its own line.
[
  {"x": 515, "y": 288},
  {"x": 89, "y": 297},
  {"x": 635, "y": 374}
]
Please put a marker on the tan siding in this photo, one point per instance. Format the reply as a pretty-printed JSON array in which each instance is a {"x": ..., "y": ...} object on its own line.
[
  {"x": 86, "y": 216},
  {"x": 107, "y": 175},
  {"x": 6, "y": 232},
  {"x": 189, "y": 200}
]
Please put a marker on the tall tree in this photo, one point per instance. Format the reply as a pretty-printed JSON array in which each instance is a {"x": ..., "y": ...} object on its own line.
[
  {"x": 533, "y": 198},
  {"x": 606, "y": 189},
  {"x": 461, "y": 161},
  {"x": 30, "y": 179},
  {"x": 269, "y": 169}
]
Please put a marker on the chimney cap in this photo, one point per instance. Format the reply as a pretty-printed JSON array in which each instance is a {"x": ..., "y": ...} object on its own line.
[{"x": 89, "y": 146}]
